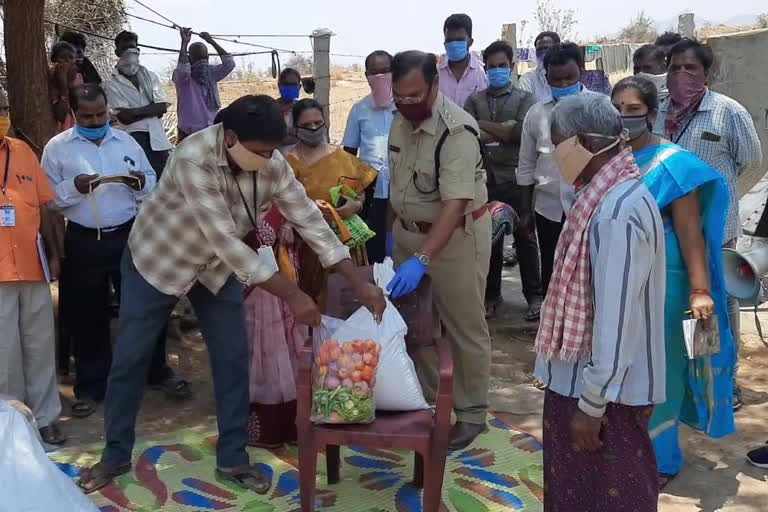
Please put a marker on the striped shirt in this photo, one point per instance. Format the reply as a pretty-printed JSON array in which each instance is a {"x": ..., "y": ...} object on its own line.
[
  {"x": 721, "y": 132},
  {"x": 627, "y": 363},
  {"x": 192, "y": 226}
]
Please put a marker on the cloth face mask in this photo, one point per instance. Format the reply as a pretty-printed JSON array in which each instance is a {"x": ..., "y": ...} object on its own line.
[
  {"x": 635, "y": 125},
  {"x": 129, "y": 62},
  {"x": 381, "y": 90},
  {"x": 247, "y": 160},
  {"x": 311, "y": 137}
]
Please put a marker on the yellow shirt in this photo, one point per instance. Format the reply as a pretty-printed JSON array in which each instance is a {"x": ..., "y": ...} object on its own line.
[{"x": 338, "y": 168}]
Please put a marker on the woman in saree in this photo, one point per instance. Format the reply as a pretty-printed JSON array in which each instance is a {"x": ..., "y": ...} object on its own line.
[
  {"x": 276, "y": 340},
  {"x": 693, "y": 200},
  {"x": 320, "y": 166}
]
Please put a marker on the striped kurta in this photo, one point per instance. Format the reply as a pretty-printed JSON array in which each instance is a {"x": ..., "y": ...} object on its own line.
[{"x": 627, "y": 363}]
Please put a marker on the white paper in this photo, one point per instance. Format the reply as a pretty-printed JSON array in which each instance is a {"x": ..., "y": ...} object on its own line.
[
  {"x": 689, "y": 329},
  {"x": 43, "y": 258},
  {"x": 267, "y": 256}
]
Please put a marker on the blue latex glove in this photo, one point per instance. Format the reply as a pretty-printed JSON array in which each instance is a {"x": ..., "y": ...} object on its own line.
[
  {"x": 407, "y": 278},
  {"x": 389, "y": 245}
]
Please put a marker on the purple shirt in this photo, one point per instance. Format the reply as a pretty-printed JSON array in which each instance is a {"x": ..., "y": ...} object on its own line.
[
  {"x": 473, "y": 80},
  {"x": 194, "y": 114}
]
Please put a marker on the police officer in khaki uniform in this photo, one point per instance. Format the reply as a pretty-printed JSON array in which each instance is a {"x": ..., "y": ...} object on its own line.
[{"x": 441, "y": 227}]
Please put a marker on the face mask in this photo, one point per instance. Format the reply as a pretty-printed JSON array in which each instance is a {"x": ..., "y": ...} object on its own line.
[
  {"x": 311, "y": 138},
  {"x": 685, "y": 87},
  {"x": 95, "y": 133},
  {"x": 635, "y": 125},
  {"x": 499, "y": 77},
  {"x": 381, "y": 90},
  {"x": 540, "y": 54},
  {"x": 660, "y": 81},
  {"x": 129, "y": 62},
  {"x": 559, "y": 93},
  {"x": 572, "y": 158},
  {"x": 289, "y": 92},
  {"x": 5, "y": 125},
  {"x": 415, "y": 112},
  {"x": 456, "y": 51},
  {"x": 247, "y": 160}
]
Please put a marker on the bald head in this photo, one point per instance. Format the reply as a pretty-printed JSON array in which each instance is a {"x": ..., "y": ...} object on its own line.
[{"x": 197, "y": 51}]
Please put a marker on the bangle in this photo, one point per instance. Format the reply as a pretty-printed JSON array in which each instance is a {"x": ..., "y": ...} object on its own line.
[{"x": 700, "y": 291}]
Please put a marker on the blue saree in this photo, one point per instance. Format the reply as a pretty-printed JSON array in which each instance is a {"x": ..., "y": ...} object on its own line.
[{"x": 699, "y": 392}]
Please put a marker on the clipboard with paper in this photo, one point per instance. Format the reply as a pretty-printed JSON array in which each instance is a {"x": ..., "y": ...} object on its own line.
[
  {"x": 123, "y": 179},
  {"x": 702, "y": 338}
]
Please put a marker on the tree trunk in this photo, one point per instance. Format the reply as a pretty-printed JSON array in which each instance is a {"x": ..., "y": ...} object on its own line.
[{"x": 27, "y": 66}]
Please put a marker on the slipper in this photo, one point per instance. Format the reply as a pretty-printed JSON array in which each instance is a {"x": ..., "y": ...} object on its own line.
[
  {"x": 50, "y": 434},
  {"x": 251, "y": 478},
  {"x": 83, "y": 407},
  {"x": 664, "y": 480},
  {"x": 534, "y": 312},
  {"x": 101, "y": 475},
  {"x": 174, "y": 387}
]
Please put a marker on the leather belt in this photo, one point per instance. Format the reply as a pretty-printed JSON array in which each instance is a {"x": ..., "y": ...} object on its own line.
[
  {"x": 424, "y": 227},
  {"x": 126, "y": 226}
]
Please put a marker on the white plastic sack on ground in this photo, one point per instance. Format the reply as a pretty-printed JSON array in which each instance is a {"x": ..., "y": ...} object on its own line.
[
  {"x": 29, "y": 481},
  {"x": 397, "y": 386}
]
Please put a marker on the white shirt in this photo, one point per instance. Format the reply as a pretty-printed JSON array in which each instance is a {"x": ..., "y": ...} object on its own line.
[
  {"x": 552, "y": 195},
  {"x": 627, "y": 256},
  {"x": 69, "y": 155},
  {"x": 121, "y": 93},
  {"x": 535, "y": 82}
]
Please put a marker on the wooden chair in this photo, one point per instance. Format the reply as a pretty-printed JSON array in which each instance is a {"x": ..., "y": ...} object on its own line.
[{"x": 424, "y": 433}]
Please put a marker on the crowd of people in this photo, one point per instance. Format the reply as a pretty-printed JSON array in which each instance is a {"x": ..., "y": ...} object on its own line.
[{"x": 444, "y": 158}]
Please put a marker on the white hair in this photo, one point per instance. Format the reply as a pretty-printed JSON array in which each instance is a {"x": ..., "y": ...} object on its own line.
[{"x": 589, "y": 112}]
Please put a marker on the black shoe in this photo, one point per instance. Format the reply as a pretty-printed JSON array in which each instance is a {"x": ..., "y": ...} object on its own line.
[
  {"x": 759, "y": 457},
  {"x": 463, "y": 434}
]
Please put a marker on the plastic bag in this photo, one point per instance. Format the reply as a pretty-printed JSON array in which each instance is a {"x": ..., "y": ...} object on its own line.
[
  {"x": 29, "y": 481},
  {"x": 397, "y": 386},
  {"x": 344, "y": 377}
]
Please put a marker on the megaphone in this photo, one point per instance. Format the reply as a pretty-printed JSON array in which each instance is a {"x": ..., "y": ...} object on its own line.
[{"x": 744, "y": 270}]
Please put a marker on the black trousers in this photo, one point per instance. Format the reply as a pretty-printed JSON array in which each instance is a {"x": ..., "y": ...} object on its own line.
[
  {"x": 90, "y": 265},
  {"x": 376, "y": 218},
  {"x": 549, "y": 234},
  {"x": 157, "y": 159},
  {"x": 526, "y": 246}
]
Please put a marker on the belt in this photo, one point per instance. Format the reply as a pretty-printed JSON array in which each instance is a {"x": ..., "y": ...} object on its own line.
[
  {"x": 424, "y": 227},
  {"x": 126, "y": 226}
]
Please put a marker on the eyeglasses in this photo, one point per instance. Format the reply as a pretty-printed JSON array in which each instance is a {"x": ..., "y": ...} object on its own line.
[{"x": 408, "y": 100}]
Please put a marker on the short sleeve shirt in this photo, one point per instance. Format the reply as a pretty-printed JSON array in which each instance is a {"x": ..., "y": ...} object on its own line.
[
  {"x": 26, "y": 190},
  {"x": 416, "y": 193}
]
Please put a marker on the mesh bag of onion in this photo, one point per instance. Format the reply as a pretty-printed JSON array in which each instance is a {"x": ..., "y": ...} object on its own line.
[{"x": 344, "y": 376}]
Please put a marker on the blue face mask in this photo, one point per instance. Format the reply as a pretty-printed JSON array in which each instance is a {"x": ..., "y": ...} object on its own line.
[
  {"x": 499, "y": 77},
  {"x": 457, "y": 50},
  {"x": 93, "y": 133},
  {"x": 559, "y": 93},
  {"x": 289, "y": 92}
]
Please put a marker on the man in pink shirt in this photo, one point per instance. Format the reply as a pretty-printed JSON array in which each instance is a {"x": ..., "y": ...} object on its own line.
[{"x": 460, "y": 73}]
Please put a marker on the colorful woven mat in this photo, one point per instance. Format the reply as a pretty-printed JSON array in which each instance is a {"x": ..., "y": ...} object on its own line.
[{"x": 501, "y": 471}]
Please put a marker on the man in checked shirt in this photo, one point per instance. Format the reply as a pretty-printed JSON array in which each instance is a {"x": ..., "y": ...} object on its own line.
[{"x": 187, "y": 239}]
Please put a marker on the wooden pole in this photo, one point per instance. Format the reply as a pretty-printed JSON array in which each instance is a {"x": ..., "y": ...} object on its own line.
[
  {"x": 509, "y": 34},
  {"x": 686, "y": 26},
  {"x": 321, "y": 64},
  {"x": 27, "y": 65}
]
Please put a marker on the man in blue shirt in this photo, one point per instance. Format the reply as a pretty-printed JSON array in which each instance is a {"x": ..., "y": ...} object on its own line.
[{"x": 367, "y": 131}]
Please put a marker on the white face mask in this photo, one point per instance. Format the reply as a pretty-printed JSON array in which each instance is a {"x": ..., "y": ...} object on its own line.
[{"x": 129, "y": 62}]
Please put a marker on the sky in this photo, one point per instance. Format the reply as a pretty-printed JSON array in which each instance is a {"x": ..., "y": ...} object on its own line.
[{"x": 393, "y": 25}]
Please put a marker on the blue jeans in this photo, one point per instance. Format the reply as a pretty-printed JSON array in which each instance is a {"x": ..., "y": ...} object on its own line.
[{"x": 144, "y": 310}]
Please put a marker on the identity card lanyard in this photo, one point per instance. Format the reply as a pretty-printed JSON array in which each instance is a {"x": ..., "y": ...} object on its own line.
[
  {"x": 266, "y": 254},
  {"x": 7, "y": 211},
  {"x": 494, "y": 113}
]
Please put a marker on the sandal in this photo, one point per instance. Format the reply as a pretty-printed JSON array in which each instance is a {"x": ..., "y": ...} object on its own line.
[
  {"x": 101, "y": 475},
  {"x": 664, "y": 480},
  {"x": 534, "y": 312},
  {"x": 83, "y": 407},
  {"x": 491, "y": 306},
  {"x": 174, "y": 387},
  {"x": 251, "y": 478},
  {"x": 50, "y": 434}
]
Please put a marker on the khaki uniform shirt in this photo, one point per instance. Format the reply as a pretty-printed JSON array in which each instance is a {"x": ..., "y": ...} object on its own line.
[
  {"x": 508, "y": 107},
  {"x": 416, "y": 194}
]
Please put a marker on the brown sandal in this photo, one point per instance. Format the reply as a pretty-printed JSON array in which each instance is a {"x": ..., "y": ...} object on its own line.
[
  {"x": 101, "y": 475},
  {"x": 250, "y": 478}
]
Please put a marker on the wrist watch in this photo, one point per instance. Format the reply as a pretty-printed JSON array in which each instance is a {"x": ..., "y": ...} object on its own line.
[{"x": 423, "y": 258}]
